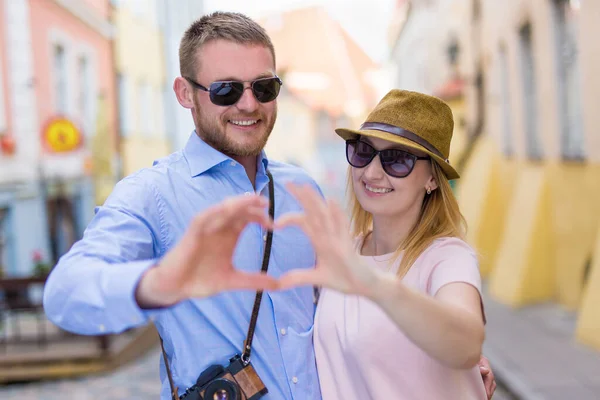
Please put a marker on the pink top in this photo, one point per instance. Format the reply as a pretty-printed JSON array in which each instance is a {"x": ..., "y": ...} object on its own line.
[{"x": 361, "y": 354}]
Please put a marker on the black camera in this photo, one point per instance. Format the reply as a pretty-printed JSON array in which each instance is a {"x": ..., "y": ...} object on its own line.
[{"x": 237, "y": 381}]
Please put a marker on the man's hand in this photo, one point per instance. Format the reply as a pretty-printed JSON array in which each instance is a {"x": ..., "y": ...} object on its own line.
[
  {"x": 200, "y": 265},
  {"x": 488, "y": 377}
]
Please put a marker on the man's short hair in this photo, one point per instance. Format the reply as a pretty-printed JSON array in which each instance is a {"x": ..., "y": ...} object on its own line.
[{"x": 234, "y": 27}]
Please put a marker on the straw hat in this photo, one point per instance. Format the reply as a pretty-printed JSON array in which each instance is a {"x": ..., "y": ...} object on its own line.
[{"x": 414, "y": 120}]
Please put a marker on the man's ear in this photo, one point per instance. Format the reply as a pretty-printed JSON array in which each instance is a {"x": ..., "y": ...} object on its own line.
[{"x": 184, "y": 92}]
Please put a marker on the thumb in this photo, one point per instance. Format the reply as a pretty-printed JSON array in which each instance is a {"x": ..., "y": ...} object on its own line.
[{"x": 299, "y": 277}]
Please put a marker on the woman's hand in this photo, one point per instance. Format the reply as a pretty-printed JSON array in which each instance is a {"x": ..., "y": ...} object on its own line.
[{"x": 338, "y": 266}]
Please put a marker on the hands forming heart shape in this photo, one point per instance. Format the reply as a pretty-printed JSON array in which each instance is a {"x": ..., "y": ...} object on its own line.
[{"x": 200, "y": 265}]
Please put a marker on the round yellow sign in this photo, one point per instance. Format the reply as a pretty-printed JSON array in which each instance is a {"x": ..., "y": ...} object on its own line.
[{"x": 61, "y": 135}]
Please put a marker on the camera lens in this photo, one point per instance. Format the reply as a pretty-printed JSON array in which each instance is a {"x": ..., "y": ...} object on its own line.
[
  {"x": 222, "y": 389},
  {"x": 221, "y": 394}
]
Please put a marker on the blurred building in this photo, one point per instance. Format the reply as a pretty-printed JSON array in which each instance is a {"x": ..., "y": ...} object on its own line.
[
  {"x": 531, "y": 162},
  {"x": 429, "y": 49},
  {"x": 56, "y": 81},
  {"x": 140, "y": 65},
  {"x": 327, "y": 84},
  {"x": 176, "y": 20}
]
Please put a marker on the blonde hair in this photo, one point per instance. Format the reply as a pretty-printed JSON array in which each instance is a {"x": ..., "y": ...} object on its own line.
[{"x": 440, "y": 217}]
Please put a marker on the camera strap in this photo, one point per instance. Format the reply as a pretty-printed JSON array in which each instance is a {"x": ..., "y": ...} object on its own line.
[{"x": 265, "y": 266}]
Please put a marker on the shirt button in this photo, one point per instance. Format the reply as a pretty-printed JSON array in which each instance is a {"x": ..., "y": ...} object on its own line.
[
  {"x": 101, "y": 327},
  {"x": 283, "y": 331},
  {"x": 295, "y": 380},
  {"x": 265, "y": 237},
  {"x": 233, "y": 163},
  {"x": 247, "y": 193}
]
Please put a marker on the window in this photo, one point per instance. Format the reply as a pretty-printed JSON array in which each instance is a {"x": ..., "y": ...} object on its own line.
[
  {"x": 6, "y": 255},
  {"x": 124, "y": 105},
  {"x": 84, "y": 94},
  {"x": 62, "y": 224},
  {"x": 566, "y": 14},
  {"x": 146, "y": 114},
  {"x": 139, "y": 7},
  {"x": 3, "y": 126},
  {"x": 529, "y": 85},
  {"x": 504, "y": 79},
  {"x": 60, "y": 79}
]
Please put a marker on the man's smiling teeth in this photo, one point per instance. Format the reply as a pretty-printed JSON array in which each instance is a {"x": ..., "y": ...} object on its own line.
[
  {"x": 377, "y": 190},
  {"x": 244, "y": 123}
]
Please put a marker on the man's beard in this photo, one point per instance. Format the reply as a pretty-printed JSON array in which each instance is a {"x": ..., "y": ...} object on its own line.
[{"x": 213, "y": 133}]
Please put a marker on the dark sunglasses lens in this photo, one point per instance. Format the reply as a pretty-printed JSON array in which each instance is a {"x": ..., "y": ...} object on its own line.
[
  {"x": 359, "y": 154},
  {"x": 226, "y": 93},
  {"x": 266, "y": 90},
  {"x": 397, "y": 163}
]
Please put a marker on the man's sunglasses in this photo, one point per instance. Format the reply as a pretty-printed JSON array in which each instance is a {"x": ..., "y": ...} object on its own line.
[
  {"x": 227, "y": 93},
  {"x": 395, "y": 162}
]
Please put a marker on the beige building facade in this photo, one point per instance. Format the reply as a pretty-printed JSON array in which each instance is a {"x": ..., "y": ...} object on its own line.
[{"x": 531, "y": 188}]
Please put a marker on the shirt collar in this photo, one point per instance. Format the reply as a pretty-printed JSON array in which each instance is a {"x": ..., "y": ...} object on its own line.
[{"x": 201, "y": 157}]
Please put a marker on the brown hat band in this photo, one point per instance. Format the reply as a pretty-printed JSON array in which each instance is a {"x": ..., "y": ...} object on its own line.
[{"x": 396, "y": 130}]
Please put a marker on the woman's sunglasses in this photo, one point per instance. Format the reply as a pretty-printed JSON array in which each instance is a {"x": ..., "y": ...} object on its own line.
[
  {"x": 227, "y": 93},
  {"x": 395, "y": 162}
]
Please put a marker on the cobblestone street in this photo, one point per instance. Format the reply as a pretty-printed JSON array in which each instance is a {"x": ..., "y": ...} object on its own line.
[{"x": 137, "y": 381}]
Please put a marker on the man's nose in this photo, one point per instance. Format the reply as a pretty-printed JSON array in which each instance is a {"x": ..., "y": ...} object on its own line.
[{"x": 247, "y": 102}]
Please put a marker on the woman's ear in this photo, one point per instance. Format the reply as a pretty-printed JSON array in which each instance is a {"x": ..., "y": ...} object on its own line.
[
  {"x": 183, "y": 92},
  {"x": 431, "y": 183}
]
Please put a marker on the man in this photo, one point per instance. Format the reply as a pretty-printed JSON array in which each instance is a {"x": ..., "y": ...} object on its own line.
[{"x": 163, "y": 246}]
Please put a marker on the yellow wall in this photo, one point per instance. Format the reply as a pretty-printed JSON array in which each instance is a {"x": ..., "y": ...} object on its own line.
[
  {"x": 140, "y": 58},
  {"x": 575, "y": 192},
  {"x": 139, "y": 46},
  {"x": 484, "y": 191},
  {"x": 536, "y": 224},
  {"x": 523, "y": 271},
  {"x": 141, "y": 152},
  {"x": 588, "y": 326},
  {"x": 459, "y": 136}
]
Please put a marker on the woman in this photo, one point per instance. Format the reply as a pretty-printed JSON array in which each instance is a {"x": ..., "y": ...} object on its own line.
[{"x": 400, "y": 315}]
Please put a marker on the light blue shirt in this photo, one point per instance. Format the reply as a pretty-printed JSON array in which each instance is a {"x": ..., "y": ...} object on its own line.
[{"x": 91, "y": 290}]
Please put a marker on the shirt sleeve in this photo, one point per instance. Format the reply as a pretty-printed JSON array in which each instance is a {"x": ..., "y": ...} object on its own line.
[
  {"x": 92, "y": 288},
  {"x": 453, "y": 261}
]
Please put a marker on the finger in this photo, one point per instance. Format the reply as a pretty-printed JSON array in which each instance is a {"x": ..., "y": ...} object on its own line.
[
  {"x": 250, "y": 215},
  {"x": 219, "y": 214},
  {"x": 304, "y": 196},
  {"x": 301, "y": 277},
  {"x": 314, "y": 202},
  {"x": 232, "y": 206},
  {"x": 314, "y": 207},
  {"x": 489, "y": 390},
  {"x": 339, "y": 219},
  {"x": 484, "y": 370},
  {"x": 299, "y": 220},
  {"x": 290, "y": 219},
  {"x": 237, "y": 218},
  {"x": 240, "y": 280}
]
